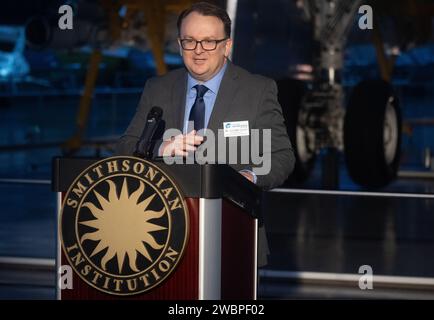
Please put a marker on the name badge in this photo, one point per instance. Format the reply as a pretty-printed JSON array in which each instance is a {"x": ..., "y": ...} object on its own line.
[{"x": 236, "y": 129}]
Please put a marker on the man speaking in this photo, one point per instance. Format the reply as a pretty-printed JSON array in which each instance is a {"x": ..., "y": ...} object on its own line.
[{"x": 210, "y": 93}]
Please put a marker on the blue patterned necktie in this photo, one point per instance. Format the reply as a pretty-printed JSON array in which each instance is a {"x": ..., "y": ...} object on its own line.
[{"x": 197, "y": 112}]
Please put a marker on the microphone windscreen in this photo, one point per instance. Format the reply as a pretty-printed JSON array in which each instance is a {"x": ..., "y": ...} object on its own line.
[{"x": 156, "y": 112}]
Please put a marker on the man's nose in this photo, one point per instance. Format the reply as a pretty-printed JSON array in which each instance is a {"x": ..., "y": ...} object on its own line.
[{"x": 199, "y": 48}]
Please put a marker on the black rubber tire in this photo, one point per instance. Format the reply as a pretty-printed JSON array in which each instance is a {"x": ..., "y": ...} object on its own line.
[
  {"x": 363, "y": 134},
  {"x": 290, "y": 96}
]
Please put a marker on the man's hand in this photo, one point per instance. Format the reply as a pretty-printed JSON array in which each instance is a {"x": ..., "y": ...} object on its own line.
[{"x": 180, "y": 145}]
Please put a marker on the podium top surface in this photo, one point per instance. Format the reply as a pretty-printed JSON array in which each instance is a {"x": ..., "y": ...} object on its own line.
[{"x": 209, "y": 181}]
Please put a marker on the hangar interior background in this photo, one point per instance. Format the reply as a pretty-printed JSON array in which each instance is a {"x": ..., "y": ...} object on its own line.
[{"x": 322, "y": 225}]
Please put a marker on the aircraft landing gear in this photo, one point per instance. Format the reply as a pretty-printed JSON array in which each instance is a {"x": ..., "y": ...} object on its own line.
[{"x": 372, "y": 134}]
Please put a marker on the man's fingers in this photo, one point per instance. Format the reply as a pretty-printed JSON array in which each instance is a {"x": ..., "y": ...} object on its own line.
[
  {"x": 198, "y": 139},
  {"x": 181, "y": 145},
  {"x": 181, "y": 153},
  {"x": 193, "y": 140},
  {"x": 174, "y": 150},
  {"x": 188, "y": 147}
]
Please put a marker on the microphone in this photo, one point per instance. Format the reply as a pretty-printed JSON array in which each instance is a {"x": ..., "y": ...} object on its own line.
[{"x": 144, "y": 143}]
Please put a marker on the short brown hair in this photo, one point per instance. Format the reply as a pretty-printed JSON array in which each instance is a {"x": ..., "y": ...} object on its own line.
[{"x": 207, "y": 9}]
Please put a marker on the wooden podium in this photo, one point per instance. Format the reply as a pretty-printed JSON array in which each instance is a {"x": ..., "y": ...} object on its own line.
[{"x": 220, "y": 257}]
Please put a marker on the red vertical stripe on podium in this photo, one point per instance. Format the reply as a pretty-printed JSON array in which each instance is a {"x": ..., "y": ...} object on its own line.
[{"x": 238, "y": 254}]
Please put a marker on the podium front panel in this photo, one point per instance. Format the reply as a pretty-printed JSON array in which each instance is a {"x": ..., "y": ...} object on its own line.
[{"x": 183, "y": 284}]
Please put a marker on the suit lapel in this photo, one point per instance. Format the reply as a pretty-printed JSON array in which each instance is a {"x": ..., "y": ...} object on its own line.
[
  {"x": 226, "y": 94},
  {"x": 178, "y": 100}
]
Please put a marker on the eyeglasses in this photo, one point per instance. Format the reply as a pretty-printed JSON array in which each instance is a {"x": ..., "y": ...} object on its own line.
[{"x": 207, "y": 45}]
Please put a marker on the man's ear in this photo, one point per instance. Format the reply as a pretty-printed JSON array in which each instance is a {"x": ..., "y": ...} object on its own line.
[{"x": 228, "y": 48}]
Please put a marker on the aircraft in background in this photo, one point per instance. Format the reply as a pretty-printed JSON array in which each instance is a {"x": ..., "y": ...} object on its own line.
[{"x": 13, "y": 65}]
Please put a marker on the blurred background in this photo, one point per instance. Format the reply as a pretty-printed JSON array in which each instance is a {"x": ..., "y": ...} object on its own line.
[{"x": 356, "y": 89}]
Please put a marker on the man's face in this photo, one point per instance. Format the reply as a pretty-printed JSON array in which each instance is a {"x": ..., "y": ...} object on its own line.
[{"x": 201, "y": 64}]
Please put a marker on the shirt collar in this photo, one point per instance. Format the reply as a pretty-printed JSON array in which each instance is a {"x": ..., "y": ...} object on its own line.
[{"x": 212, "y": 84}]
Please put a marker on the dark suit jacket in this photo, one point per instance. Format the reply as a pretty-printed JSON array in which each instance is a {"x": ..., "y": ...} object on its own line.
[{"x": 242, "y": 96}]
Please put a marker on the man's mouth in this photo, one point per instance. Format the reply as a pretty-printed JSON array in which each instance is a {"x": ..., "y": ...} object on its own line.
[{"x": 199, "y": 61}]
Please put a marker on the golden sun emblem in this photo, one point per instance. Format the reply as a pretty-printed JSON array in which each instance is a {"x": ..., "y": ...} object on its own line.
[{"x": 123, "y": 225}]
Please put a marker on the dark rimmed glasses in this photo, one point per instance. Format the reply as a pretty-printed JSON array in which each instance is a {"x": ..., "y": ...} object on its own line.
[{"x": 207, "y": 45}]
